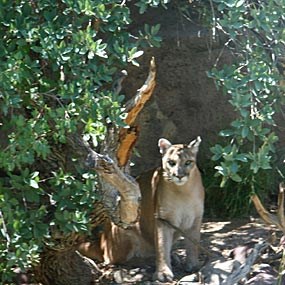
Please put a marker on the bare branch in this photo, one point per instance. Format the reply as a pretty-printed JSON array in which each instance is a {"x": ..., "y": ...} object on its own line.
[
  {"x": 128, "y": 136},
  {"x": 135, "y": 105},
  {"x": 265, "y": 215}
]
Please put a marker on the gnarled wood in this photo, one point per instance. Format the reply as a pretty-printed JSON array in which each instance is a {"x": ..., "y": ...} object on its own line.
[{"x": 126, "y": 210}]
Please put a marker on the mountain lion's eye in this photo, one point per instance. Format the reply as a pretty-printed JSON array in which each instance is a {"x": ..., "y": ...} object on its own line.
[
  {"x": 171, "y": 162},
  {"x": 188, "y": 162}
]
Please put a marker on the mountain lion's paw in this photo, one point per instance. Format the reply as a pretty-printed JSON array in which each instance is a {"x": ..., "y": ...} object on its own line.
[{"x": 163, "y": 275}]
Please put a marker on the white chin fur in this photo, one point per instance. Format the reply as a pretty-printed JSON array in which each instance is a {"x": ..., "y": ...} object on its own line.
[{"x": 180, "y": 182}]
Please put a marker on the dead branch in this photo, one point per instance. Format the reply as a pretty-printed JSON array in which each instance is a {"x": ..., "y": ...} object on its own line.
[
  {"x": 264, "y": 214},
  {"x": 230, "y": 271},
  {"x": 277, "y": 220},
  {"x": 128, "y": 139},
  {"x": 135, "y": 105},
  {"x": 128, "y": 136}
]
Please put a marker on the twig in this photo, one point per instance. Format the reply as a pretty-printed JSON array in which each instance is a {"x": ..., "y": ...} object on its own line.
[{"x": 5, "y": 231}]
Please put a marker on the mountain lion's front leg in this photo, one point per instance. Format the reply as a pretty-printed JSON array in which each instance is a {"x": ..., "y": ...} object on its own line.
[
  {"x": 192, "y": 243},
  {"x": 163, "y": 244}
]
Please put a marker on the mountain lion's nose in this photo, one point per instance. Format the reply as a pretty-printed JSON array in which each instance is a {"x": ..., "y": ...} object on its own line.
[{"x": 179, "y": 176}]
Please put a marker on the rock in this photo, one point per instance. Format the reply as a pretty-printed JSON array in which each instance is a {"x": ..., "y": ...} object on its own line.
[
  {"x": 262, "y": 279},
  {"x": 118, "y": 276},
  {"x": 192, "y": 279}
]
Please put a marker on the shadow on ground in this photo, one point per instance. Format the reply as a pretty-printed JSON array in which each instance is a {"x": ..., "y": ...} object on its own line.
[{"x": 221, "y": 242}]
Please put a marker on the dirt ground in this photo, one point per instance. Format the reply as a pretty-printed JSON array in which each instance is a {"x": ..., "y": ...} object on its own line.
[{"x": 220, "y": 241}]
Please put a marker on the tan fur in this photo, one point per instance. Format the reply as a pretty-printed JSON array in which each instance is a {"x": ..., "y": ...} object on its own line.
[{"x": 174, "y": 194}]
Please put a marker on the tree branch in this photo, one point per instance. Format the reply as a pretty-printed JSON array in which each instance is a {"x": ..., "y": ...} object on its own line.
[
  {"x": 128, "y": 136},
  {"x": 277, "y": 220}
]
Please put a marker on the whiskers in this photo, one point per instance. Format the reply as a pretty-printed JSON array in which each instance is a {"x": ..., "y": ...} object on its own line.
[{"x": 167, "y": 177}]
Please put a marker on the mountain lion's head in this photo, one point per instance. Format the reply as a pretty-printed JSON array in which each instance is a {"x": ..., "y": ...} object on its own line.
[{"x": 178, "y": 160}]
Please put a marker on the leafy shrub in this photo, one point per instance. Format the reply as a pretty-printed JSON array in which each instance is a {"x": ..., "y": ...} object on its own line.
[
  {"x": 255, "y": 32},
  {"x": 57, "y": 59}
]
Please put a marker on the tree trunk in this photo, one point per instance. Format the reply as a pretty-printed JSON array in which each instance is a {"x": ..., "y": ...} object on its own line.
[{"x": 119, "y": 191}]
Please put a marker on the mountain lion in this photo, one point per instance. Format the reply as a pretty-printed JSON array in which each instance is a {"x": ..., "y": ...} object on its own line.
[{"x": 172, "y": 198}]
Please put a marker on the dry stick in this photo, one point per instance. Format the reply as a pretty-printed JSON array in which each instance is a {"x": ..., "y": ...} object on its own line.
[
  {"x": 128, "y": 136},
  {"x": 281, "y": 269}
]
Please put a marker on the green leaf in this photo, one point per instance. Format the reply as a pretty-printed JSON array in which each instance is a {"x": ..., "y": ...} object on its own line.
[
  {"x": 244, "y": 131},
  {"x": 34, "y": 184},
  {"x": 254, "y": 166},
  {"x": 235, "y": 177},
  {"x": 226, "y": 133},
  {"x": 137, "y": 54},
  {"x": 241, "y": 157},
  {"x": 35, "y": 174},
  {"x": 236, "y": 124},
  {"x": 240, "y": 3},
  {"x": 32, "y": 195},
  {"x": 155, "y": 29}
]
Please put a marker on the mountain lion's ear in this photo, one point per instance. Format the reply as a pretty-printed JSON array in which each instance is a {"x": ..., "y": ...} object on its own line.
[
  {"x": 194, "y": 145},
  {"x": 163, "y": 145}
]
